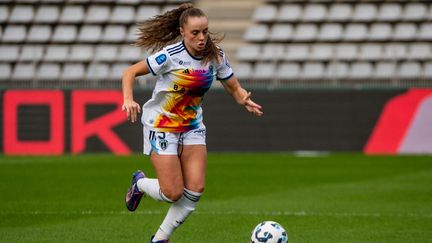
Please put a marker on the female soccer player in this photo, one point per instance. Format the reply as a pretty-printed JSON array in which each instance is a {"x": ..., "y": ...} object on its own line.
[{"x": 174, "y": 134}]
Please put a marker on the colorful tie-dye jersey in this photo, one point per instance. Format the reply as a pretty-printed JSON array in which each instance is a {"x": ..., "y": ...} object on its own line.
[{"x": 182, "y": 81}]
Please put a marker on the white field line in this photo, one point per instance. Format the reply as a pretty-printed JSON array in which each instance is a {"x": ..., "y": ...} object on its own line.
[{"x": 223, "y": 213}]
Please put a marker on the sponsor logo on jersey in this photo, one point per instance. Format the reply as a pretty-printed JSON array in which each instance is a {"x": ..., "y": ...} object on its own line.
[
  {"x": 202, "y": 131},
  {"x": 161, "y": 59},
  {"x": 186, "y": 63}
]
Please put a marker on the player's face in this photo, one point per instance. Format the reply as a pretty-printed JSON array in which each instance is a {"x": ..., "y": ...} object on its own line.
[{"x": 195, "y": 34}]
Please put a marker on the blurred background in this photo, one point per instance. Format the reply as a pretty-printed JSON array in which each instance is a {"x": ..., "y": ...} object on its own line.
[{"x": 332, "y": 75}]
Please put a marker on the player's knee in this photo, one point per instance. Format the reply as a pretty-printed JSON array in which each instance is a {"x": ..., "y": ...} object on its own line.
[
  {"x": 173, "y": 194},
  {"x": 196, "y": 188}
]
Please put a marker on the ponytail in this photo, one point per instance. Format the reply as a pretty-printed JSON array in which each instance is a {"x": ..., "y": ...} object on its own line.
[{"x": 162, "y": 30}]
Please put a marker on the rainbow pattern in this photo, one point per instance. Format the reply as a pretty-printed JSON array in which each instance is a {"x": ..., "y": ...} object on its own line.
[{"x": 183, "y": 100}]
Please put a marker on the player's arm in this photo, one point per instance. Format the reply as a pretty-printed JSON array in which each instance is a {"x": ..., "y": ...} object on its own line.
[
  {"x": 241, "y": 96},
  {"x": 129, "y": 74}
]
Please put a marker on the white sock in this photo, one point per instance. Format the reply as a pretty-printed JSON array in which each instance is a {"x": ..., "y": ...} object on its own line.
[
  {"x": 151, "y": 187},
  {"x": 177, "y": 214}
]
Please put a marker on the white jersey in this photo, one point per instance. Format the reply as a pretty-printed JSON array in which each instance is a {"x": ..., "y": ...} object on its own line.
[{"x": 182, "y": 81}]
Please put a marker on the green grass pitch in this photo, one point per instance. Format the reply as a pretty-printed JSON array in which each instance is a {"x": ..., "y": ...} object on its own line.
[{"x": 333, "y": 198}]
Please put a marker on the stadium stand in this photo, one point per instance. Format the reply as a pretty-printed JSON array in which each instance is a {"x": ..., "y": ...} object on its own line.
[
  {"x": 71, "y": 40},
  {"x": 276, "y": 41},
  {"x": 340, "y": 40}
]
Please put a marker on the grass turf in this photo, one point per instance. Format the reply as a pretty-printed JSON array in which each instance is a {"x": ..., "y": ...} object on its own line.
[{"x": 334, "y": 198}]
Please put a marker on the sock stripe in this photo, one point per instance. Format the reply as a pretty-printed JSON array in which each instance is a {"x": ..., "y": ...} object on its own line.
[{"x": 191, "y": 197}]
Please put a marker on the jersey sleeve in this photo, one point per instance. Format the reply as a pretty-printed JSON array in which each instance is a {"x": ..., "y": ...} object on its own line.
[
  {"x": 158, "y": 62},
  {"x": 224, "y": 70}
]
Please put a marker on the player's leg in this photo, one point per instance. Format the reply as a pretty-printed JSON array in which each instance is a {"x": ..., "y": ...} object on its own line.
[
  {"x": 193, "y": 159},
  {"x": 162, "y": 148}
]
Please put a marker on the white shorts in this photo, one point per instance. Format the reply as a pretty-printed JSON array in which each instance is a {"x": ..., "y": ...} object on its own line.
[{"x": 168, "y": 143}]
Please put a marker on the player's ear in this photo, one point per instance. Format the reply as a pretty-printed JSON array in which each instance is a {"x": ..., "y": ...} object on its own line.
[{"x": 182, "y": 31}]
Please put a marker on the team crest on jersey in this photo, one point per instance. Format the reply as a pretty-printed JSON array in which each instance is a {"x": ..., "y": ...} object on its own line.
[
  {"x": 163, "y": 144},
  {"x": 161, "y": 59}
]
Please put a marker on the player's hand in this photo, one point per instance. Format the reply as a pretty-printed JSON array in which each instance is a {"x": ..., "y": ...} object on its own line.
[
  {"x": 132, "y": 109},
  {"x": 251, "y": 106}
]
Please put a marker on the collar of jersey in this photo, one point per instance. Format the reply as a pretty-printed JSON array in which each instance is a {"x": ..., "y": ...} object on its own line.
[{"x": 190, "y": 54}]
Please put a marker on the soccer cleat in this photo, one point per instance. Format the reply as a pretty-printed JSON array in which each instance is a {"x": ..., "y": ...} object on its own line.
[
  {"x": 161, "y": 241},
  {"x": 133, "y": 195}
]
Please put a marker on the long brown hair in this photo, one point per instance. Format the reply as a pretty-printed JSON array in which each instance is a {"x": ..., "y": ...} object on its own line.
[{"x": 155, "y": 33}]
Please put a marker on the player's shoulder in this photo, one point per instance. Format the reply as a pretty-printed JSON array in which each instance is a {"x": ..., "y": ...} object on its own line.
[{"x": 175, "y": 48}]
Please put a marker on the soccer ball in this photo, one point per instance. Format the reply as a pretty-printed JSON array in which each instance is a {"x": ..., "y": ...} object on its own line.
[{"x": 269, "y": 232}]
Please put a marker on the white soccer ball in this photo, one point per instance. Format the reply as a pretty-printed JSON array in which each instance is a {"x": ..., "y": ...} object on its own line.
[{"x": 269, "y": 232}]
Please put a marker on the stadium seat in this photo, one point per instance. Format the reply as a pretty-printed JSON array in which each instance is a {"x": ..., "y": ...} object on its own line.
[
  {"x": 395, "y": 51},
  {"x": 32, "y": 53},
  {"x": 425, "y": 32},
  {"x": 81, "y": 53},
  {"x": 248, "y": 52},
  {"x": 290, "y": 12},
  {"x": 123, "y": 15},
  {"x": 281, "y": 32},
  {"x": 23, "y": 71},
  {"x": 305, "y": 32},
  {"x": 114, "y": 33},
  {"x": 97, "y": 14},
  {"x": 14, "y": 33},
  {"x": 360, "y": 70},
  {"x": 90, "y": 33},
  {"x": 21, "y": 14},
  {"x": 264, "y": 71},
  {"x": 296, "y": 52},
  {"x": 243, "y": 70},
  {"x": 288, "y": 71},
  {"x": 364, "y": 12},
  {"x": 313, "y": 70},
  {"x": 330, "y": 32},
  {"x": 389, "y": 12},
  {"x": 72, "y": 71},
  {"x": 409, "y": 69},
  {"x": 9, "y": 53},
  {"x": 346, "y": 52},
  {"x": 272, "y": 52},
  {"x": 414, "y": 11},
  {"x": 4, "y": 13},
  {"x": 5, "y": 71},
  {"x": 265, "y": 13},
  {"x": 321, "y": 52},
  {"x": 355, "y": 32},
  {"x": 130, "y": 53},
  {"x": 404, "y": 31},
  {"x": 385, "y": 70},
  {"x": 47, "y": 14},
  {"x": 105, "y": 53},
  {"x": 370, "y": 52},
  {"x": 132, "y": 34},
  {"x": 256, "y": 33},
  {"x": 56, "y": 53},
  {"x": 64, "y": 33},
  {"x": 427, "y": 70},
  {"x": 72, "y": 14},
  {"x": 48, "y": 71},
  {"x": 337, "y": 70},
  {"x": 97, "y": 71},
  {"x": 116, "y": 70},
  {"x": 380, "y": 32},
  {"x": 340, "y": 12},
  {"x": 39, "y": 33},
  {"x": 314, "y": 12},
  {"x": 145, "y": 12},
  {"x": 420, "y": 51}
]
